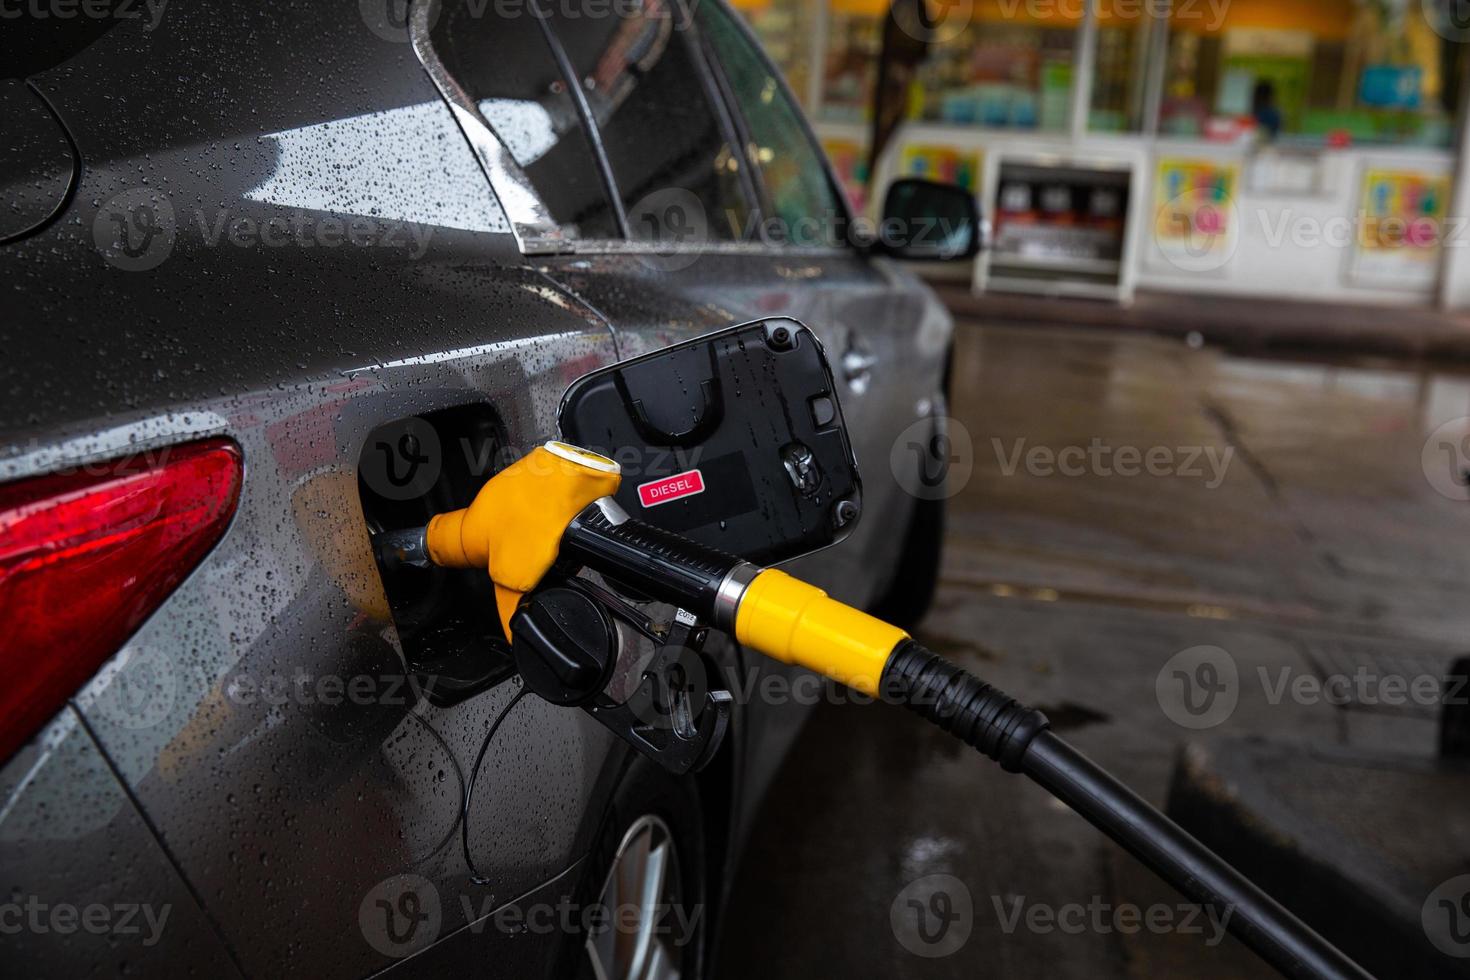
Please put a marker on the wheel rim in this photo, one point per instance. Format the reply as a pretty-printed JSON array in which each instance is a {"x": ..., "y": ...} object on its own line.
[{"x": 643, "y": 937}]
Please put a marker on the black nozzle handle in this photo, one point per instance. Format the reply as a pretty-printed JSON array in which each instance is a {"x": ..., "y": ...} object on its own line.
[{"x": 649, "y": 559}]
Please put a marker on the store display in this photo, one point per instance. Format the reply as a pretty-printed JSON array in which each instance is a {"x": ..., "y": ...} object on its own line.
[
  {"x": 1401, "y": 222},
  {"x": 850, "y": 162},
  {"x": 1058, "y": 224},
  {"x": 1194, "y": 212},
  {"x": 946, "y": 164}
]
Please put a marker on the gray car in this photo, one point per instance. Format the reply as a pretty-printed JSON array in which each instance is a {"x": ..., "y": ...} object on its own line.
[{"x": 280, "y": 275}]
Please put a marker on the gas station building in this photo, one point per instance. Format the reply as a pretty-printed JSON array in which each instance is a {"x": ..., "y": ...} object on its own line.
[{"x": 1299, "y": 149}]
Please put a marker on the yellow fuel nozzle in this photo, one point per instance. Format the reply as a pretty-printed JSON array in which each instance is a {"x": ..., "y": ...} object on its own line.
[
  {"x": 514, "y": 526},
  {"x": 538, "y": 507}
]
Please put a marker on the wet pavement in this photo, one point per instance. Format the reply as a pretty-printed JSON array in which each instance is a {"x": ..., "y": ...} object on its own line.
[{"x": 1130, "y": 498}]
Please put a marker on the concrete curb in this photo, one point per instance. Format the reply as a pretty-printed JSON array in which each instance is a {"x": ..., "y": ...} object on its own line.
[{"x": 1237, "y": 323}]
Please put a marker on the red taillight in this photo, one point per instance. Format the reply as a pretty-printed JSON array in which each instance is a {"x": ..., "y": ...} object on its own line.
[{"x": 85, "y": 558}]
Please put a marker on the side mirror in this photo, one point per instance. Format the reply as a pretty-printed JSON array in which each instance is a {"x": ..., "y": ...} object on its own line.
[{"x": 928, "y": 221}]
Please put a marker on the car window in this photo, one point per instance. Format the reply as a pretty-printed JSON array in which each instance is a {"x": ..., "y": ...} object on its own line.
[
  {"x": 662, "y": 127},
  {"x": 507, "y": 68},
  {"x": 799, "y": 194}
]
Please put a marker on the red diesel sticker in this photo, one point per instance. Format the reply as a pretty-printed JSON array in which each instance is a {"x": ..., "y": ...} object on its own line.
[{"x": 685, "y": 484}]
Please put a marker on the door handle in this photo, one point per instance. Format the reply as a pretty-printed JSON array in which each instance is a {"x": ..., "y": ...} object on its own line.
[{"x": 857, "y": 368}]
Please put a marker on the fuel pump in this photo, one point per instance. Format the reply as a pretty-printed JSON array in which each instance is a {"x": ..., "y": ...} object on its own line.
[{"x": 758, "y": 399}]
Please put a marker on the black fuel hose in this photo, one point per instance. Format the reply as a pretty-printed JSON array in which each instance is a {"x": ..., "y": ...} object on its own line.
[
  {"x": 1017, "y": 737},
  {"x": 798, "y": 623}
]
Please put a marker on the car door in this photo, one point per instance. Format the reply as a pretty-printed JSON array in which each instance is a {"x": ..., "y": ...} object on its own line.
[
  {"x": 702, "y": 199},
  {"x": 657, "y": 168}
]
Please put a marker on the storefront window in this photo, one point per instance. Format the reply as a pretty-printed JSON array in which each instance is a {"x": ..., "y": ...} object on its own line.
[
  {"x": 1333, "y": 71},
  {"x": 1125, "y": 33},
  {"x": 854, "y": 43},
  {"x": 785, "y": 29},
  {"x": 1009, "y": 67},
  {"x": 999, "y": 63}
]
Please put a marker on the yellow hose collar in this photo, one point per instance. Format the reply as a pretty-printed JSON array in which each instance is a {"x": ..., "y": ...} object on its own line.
[{"x": 796, "y": 623}]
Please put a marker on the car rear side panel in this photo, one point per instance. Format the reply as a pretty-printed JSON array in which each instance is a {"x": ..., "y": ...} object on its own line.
[{"x": 247, "y": 310}]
